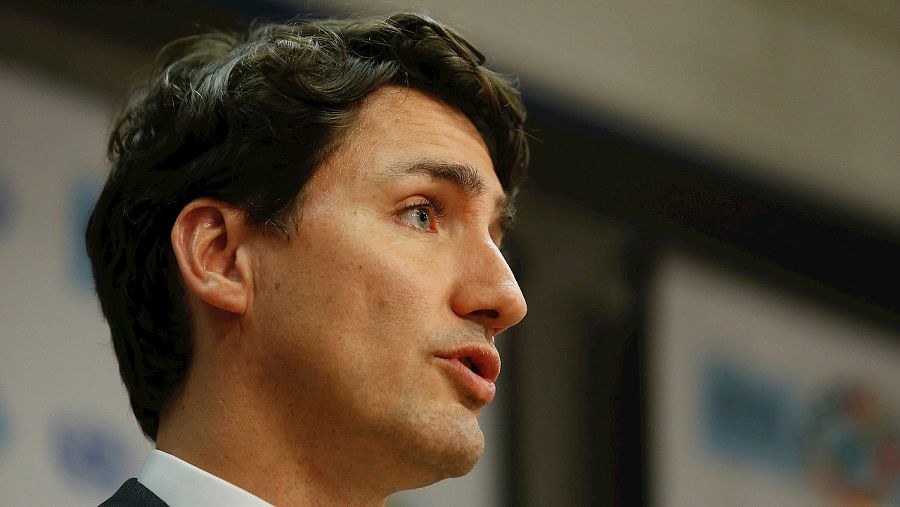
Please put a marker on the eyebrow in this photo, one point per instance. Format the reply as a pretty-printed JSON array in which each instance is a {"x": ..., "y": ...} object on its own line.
[{"x": 464, "y": 177}]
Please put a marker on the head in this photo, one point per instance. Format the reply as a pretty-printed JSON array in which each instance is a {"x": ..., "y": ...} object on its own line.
[{"x": 317, "y": 206}]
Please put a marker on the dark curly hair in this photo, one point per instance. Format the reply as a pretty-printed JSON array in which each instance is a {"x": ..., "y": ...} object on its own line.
[{"x": 246, "y": 118}]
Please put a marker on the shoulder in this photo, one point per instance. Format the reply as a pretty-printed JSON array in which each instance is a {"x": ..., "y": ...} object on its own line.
[{"x": 133, "y": 494}]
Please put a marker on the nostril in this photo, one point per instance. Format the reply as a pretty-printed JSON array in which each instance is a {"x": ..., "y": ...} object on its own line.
[{"x": 491, "y": 314}]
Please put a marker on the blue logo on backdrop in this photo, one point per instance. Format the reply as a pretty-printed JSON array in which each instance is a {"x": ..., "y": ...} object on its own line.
[
  {"x": 5, "y": 204},
  {"x": 747, "y": 415},
  {"x": 91, "y": 453},
  {"x": 84, "y": 195}
]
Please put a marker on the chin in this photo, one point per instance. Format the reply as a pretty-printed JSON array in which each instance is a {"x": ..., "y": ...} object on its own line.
[
  {"x": 444, "y": 450},
  {"x": 463, "y": 468},
  {"x": 463, "y": 459}
]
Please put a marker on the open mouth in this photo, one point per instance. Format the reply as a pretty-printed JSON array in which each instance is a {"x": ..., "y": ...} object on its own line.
[
  {"x": 472, "y": 375},
  {"x": 468, "y": 363},
  {"x": 482, "y": 361}
]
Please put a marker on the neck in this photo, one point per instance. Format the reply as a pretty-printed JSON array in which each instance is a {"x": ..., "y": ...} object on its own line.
[{"x": 219, "y": 424}]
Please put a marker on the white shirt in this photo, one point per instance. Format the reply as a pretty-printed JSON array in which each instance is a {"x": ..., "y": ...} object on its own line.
[{"x": 180, "y": 484}]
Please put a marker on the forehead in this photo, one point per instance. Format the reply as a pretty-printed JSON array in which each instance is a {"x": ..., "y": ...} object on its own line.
[{"x": 395, "y": 125}]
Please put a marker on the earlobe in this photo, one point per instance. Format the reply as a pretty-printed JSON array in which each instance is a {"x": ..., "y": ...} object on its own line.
[{"x": 208, "y": 239}]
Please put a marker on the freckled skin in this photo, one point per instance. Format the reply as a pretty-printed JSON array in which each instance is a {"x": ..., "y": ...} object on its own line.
[{"x": 347, "y": 315}]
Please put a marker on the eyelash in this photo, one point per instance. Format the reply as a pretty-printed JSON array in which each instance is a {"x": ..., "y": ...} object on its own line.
[{"x": 432, "y": 203}]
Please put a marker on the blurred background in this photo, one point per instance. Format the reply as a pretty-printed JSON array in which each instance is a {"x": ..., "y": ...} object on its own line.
[{"x": 709, "y": 245}]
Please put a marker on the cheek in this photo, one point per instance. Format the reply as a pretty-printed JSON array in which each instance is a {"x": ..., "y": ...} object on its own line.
[
  {"x": 397, "y": 304},
  {"x": 353, "y": 305}
]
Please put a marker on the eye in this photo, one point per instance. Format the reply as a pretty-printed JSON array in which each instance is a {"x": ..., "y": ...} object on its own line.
[
  {"x": 419, "y": 216},
  {"x": 422, "y": 215}
]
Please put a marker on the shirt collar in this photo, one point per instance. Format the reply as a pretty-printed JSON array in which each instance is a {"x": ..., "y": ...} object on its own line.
[{"x": 180, "y": 484}]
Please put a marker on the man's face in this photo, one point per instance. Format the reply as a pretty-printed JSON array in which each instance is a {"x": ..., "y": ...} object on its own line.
[{"x": 376, "y": 321}]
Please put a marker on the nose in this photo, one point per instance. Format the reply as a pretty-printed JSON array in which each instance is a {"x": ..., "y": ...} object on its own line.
[{"x": 486, "y": 290}]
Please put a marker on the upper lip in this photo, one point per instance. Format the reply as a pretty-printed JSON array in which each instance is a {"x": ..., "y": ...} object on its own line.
[{"x": 481, "y": 359}]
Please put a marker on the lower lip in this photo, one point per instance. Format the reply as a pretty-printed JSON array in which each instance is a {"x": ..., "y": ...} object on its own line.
[{"x": 475, "y": 386}]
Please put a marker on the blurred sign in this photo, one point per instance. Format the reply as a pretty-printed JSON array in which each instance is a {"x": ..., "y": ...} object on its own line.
[{"x": 762, "y": 398}]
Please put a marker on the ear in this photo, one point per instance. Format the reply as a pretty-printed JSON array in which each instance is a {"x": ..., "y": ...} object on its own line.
[{"x": 210, "y": 239}]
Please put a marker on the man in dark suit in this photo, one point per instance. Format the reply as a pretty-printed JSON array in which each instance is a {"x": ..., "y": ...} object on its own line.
[{"x": 297, "y": 252}]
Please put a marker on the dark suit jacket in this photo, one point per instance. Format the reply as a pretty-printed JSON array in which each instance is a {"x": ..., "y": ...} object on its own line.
[{"x": 133, "y": 494}]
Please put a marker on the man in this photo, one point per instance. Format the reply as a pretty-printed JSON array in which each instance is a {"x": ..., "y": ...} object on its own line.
[{"x": 297, "y": 252}]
